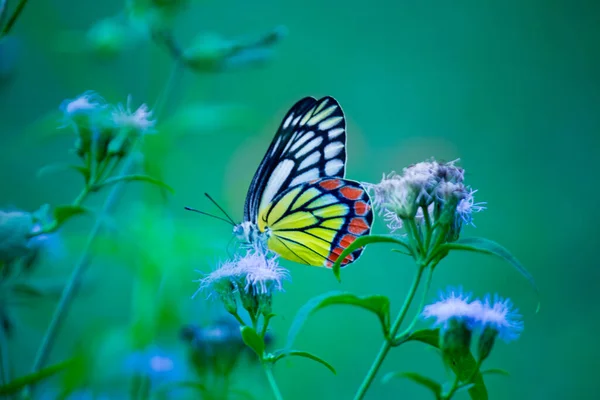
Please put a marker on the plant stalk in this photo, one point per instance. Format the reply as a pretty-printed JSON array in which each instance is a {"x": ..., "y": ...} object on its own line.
[
  {"x": 69, "y": 291},
  {"x": 13, "y": 18},
  {"x": 387, "y": 344},
  {"x": 269, "y": 372}
]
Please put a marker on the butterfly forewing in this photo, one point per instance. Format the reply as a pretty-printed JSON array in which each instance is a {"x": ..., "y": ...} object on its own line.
[
  {"x": 310, "y": 144},
  {"x": 314, "y": 222}
]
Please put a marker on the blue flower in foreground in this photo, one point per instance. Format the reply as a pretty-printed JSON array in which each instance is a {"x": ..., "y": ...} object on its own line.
[
  {"x": 459, "y": 318},
  {"x": 501, "y": 317},
  {"x": 453, "y": 305}
]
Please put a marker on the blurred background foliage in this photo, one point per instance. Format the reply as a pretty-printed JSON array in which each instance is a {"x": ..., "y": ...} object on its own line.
[{"x": 510, "y": 87}]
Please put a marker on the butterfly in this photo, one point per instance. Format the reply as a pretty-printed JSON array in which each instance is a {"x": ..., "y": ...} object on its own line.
[{"x": 298, "y": 204}]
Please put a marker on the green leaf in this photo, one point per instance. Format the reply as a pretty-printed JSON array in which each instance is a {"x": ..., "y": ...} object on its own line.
[
  {"x": 379, "y": 305},
  {"x": 63, "y": 213},
  {"x": 20, "y": 383},
  {"x": 463, "y": 365},
  {"x": 486, "y": 246},
  {"x": 363, "y": 241},
  {"x": 54, "y": 168},
  {"x": 429, "y": 383},
  {"x": 428, "y": 336},
  {"x": 495, "y": 371},
  {"x": 133, "y": 178},
  {"x": 253, "y": 340},
  {"x": 285, "y": 353}
]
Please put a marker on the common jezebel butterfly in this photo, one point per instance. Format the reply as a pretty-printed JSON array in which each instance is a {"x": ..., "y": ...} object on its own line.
[{"x": 299, "y": 203}]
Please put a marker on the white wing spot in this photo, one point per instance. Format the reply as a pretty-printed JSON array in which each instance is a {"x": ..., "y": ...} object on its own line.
[
  {"x": 335, "y": 133},
  {"x": 323, "y": 104},
  {"x": 276, "y": 146},
  {"x": 288, "y": 120},
  {"x": 307, "y": 176},
  {"x": 290, "y": 142},
  {"x": 310, "y": 146},
  {"x": 303, "y": 139},
  {"x": 322, "y": 115},
  {"x": 295, "y": 121},
  {"x": 277, "y": 178},
  {"x": 310, "y": 160},
  {"x": 333, "y": 167},
  {"x": 333, "y": 149},
  {"x": 307, "y": 116},
  {"x": 330, "y": 123}
]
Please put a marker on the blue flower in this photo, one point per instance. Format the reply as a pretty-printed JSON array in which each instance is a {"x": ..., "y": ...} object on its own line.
[
  {"x": 453, "y": 305},
  {"x": 501, "y": 317}
]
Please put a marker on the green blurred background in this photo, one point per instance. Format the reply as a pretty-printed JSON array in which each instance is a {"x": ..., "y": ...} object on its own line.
[{"x": 510, "y": 87}]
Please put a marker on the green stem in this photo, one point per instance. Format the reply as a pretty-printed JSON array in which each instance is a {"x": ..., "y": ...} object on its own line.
[
  {"x": 387, "y": 344},
  {"x": 269, "y": 372},
  {"x": 69, "y": 290},
  {"x": 13, "y": 18},
  {"x": 428, "y": 280},
  {"x": 238, "y": 318},
  {"x": 428, "y": 227},
  {"x": 84, "y": 193},
  {"x": 456, "y": 385},
  {"x": 5, "y": 362}
]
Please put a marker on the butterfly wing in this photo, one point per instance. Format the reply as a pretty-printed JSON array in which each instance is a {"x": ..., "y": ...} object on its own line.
[
  {"x": 314, "y": 222},
  {"x": 309, "y": 144}
]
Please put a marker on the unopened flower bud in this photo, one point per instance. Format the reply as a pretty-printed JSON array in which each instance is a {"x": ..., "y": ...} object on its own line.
[
  {"x": 455, "y": 338},
  {"x": 208, "y": 52},
  {"x": 109, "y": 37},
  {"x": 486, "y": 342}
]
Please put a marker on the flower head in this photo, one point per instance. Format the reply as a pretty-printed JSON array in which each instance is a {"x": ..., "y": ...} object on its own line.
[
  {"x": 255, "y": 277},
  {"x": 453, "y": 305},
  {"x": 138, "y": 120},
  {"x": 467, "y": 206},
  {"x": 85, "y": 103},
  {"x": 427, "y": 192},
  {"x": 501, "y": 317}
]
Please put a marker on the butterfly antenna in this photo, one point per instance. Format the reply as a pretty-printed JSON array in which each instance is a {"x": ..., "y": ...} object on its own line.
[
  {"x": 220, "y": 208},
  {"x": 209, "y": 215}
]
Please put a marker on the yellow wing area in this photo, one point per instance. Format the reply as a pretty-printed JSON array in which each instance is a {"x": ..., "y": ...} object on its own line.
[{"x": 303, "y": 224}]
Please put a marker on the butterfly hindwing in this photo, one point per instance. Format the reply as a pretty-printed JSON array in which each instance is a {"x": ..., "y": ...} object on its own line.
[
  {"x": 314, "y": 222},
  {"x": 310, "y": 144}
]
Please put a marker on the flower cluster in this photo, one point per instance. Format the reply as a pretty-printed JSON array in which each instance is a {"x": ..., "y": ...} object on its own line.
[
  {"x": 426, "y": 192},
  {"x": 105, "y": 131},
  {"x": 459, "y": 317},
  {"x": 254, "y": 277}
]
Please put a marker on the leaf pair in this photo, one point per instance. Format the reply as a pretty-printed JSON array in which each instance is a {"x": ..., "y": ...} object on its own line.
[
  {"x": 253, "y": 340},
  {"x": 477, "y": 245}
]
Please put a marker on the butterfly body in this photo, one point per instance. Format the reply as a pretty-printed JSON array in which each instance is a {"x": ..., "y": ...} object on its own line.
[{"x": 299, "y": 204}]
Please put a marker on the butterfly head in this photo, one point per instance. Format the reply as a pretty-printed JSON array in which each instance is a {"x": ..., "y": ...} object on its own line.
[{"x": 246, "y": 231}]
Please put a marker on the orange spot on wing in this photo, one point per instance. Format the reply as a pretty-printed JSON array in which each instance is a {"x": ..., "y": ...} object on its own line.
[
  {"x": 361, "y": 208},
  {"x": 351, "y": 193},
  {"x": 347, "y": 240},
  {"x": 358, "y": 226},
  {"x": 331, "y": 184},
  {"x": 328, "y": 264},
  {"x": 335, "y": 254}
]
